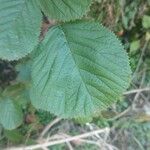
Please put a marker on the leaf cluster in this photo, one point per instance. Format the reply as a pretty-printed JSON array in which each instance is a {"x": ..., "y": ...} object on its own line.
[{"x": 79, "y": 68}]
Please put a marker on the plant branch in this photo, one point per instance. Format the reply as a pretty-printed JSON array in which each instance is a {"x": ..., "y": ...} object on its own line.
[
  {"x": 137, "y": 91},
  {"x": 50, "y": 143}
]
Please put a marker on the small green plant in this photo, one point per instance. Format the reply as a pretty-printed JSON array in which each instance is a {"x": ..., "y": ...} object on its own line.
[{"x": 79, "y": 68}]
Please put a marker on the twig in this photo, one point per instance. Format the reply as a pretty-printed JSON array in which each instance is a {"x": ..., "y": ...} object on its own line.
[
  {"x": 120, "y": 114},
  {"x": 138, "y": 142},
  {"x": 141, "y": 83},
  {"x": 141, "y": 59},
  {"x": 99, "y": 144},
  {"x": 142, "y": 95},
  {"x": 47, "y": 128},
  {"x": 91, "y": 128},
  {"x": 44, "y": 148},
  {"x": 137, "y": 91},
  {"x": 29, "y": 133},
  {"x": 90, "y": 142},
  {"x": 69, "y": 145},
  {"x": 50, "y": 143}
]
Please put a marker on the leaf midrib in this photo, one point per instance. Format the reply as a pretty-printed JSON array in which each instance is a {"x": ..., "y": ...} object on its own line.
[{"x": 65, "y": 38}]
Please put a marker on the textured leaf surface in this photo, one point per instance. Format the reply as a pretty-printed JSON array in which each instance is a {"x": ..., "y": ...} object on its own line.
[
  {"x": 10, "y": 114},
  {"x": 19, "y": 28},
  {"x": 82, "y": 69},
  {"x": 64, "y": 9}
]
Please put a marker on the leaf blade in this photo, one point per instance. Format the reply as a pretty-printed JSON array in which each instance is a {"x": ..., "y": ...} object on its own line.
[
  {"x": 18, "y": 30},
  {"x": 79, "y": 75},
  {"x": 64, "y": 10},
  {"x": 10, "y": 114}
]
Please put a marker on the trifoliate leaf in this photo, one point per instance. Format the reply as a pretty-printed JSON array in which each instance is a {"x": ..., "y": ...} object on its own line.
[
  {"x": 81, "y": 70},
  {"x": 20, "y": 22},
  {"x": 10, "y": 114},
  {"x": 64, "y": 10}
]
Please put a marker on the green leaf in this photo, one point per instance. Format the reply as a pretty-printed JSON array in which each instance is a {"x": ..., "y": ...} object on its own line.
[
  {"x": 19, "y": 93},
  {"x": 10, "y": 114},
  {"x": 81, "y": 70},
  {"x": 20, "y": 22},
  {"x": 64, "y": 10},
  {"x": 14, "y": 136},
  {"x": 134, "y": 46},
  {"x": 83, "y": 120},
  {"x": 146, "y": 21},
  {"x": 24, "y": 71}
]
